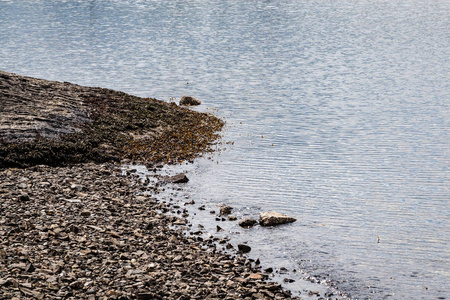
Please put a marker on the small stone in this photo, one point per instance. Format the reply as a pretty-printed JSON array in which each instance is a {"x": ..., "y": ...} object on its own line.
[
  {"x": 24, "y": 198},
  {"x": 255, "y": 276},
  {"x": 247, "y": 222},
  {"x": 78, "y": 187},
  {"x": 232, "y": 218},
  {"x": 145, "y": 296},
  {"x": 188, "y": 100},
  {"x": 225, "y": 210},
  {"x": 30, "y": 268},
  {"x": 244, "y": 248}
]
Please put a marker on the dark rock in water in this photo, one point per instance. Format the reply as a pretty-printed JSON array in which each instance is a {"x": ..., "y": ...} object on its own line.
[
  {"x": 244, "y": 248},
  {"x": 188, "y": 100},
  {"x": 225, "y": 210},
  {"x": 145, "y": 296},
  {"x": 247, "y": 222},
  {"x": 231, "y": 218},
  {"x": 179, "y": 178},
  {"x": 272, "y": 218}
]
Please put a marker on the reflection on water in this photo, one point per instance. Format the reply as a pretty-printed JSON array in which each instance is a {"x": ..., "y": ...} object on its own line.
[{"x": 339, "y": 113}]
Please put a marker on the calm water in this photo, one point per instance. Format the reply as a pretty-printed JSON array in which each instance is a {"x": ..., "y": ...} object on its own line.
[{"x": 339, "y": 112}]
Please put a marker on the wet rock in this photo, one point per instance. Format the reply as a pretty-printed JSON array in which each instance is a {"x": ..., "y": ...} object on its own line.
[
  {"x": 231, "y": 218},
  {"x": 274, "y": 218},
  {"x": 244, "y": 248},
  {"x": 225, "y": 210},
  {"x": 85, "y": 213},
  {"x": 188, "y": 100},
  {"x": 247, "y": 222},
  {"x": 179, "y": 178},
  {"x": 255, "y": 276}
]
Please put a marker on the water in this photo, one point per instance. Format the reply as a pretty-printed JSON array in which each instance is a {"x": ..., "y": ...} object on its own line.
[{"x": 338, "y": 110}]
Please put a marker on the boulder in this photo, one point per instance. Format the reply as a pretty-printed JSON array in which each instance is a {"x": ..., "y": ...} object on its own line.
[
  {"x": 272, "y": 218},
  {"x": 188, "y": 100}
]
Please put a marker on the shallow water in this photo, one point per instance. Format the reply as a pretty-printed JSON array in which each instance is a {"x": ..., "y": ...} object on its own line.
[{"x": 338, "y": 110}]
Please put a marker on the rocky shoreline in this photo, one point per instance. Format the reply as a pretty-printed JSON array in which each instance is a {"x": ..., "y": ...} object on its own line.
[
  {"x": 73, "y": 226},
  {"x": 60, "y": 123},
  {"x": 89, "y": 232}
]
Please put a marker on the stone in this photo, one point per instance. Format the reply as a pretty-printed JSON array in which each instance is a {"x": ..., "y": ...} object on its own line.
[
  {"x": 179, "y": 178},
  {"x": 255, "y": 276},
  {"x": 244, "y": 248},
  {"x": 231, "y": 218},
  {"x": 247, "y": 222},
  {"x": 188, "y": 100},
  {"x": 274, "y": 218},
  {"x": 24, "y": 197},
  {"x": 225, "y": 209}
]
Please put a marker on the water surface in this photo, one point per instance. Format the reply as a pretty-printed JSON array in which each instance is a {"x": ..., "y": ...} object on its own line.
[{"x": 338, "y": 110}]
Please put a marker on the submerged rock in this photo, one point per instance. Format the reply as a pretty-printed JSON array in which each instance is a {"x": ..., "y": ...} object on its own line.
[
  {"x": 247, "y": 222},
  {"x": 188, "y": 100},
  {"x": 272, "y": 218}
]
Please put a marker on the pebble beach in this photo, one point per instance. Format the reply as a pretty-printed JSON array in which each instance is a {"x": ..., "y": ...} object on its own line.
[{"x": 75, "y": 226}]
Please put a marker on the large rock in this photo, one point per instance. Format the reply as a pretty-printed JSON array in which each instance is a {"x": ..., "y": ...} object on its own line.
[
  {"x": 179, "y": 178},
  {"x": 272, "y": 218},
  {"x": 188, "y": 100}
]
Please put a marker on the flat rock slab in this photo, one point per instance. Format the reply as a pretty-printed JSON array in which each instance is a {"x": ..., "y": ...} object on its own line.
[
  {"x": 31, "y": 107},
  {"x": 272, "y": 218}
]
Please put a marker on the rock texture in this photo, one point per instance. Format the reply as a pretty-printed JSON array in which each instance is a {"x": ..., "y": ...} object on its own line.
[
  {"x": 273, "y": 218},
  {"x": 25, "y": 112}
]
